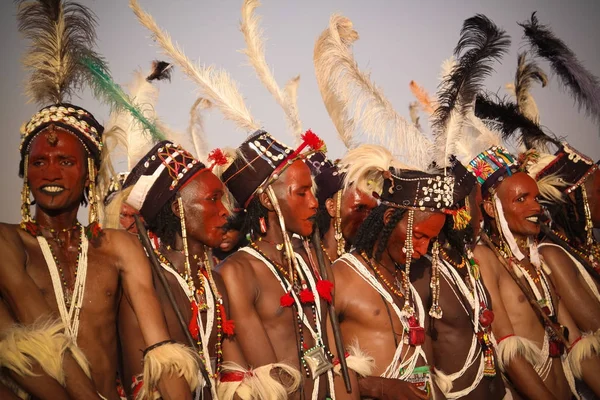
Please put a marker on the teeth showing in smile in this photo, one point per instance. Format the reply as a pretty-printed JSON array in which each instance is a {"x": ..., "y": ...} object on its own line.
[
  {"x": 533, "y": 219},
  {"x": 53, "y": 189}
]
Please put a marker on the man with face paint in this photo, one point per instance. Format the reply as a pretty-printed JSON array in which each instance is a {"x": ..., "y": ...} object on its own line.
[
  {"x": 387, "y": 321},
  {"x": 569, "y": 183},
  {"x": 529, "y": 352},
  {"x": 186, "y": 213},
  {"x": 341, "y": 211},
  {"x": 280, "y": 302}
]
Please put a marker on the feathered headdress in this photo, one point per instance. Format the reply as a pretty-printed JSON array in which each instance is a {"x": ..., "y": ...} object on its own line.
[
  {"x": 481, "y": 42},
  {"x": 324, "y": 60},
  {"x": 583, "y": 86},
  {"x": 527, "y": 73},
  {"x": 196, "y": 127},
  {"x": 255, "y": 51},
  {"x": 370, "y": 108}
]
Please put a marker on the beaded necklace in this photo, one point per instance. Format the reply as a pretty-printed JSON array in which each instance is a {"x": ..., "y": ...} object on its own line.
[{"x": 382, "y": 278}]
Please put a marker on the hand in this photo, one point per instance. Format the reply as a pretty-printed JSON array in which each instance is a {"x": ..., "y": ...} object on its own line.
[{"x": 395, "y": 389}]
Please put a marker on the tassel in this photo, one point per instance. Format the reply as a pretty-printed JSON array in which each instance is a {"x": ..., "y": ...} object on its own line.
[
  {"x": 324, "y": 288},
  {"x": 217, "y": 157},
  {"x": 461, "y": 219},
  {"x": 307, "y": 296},
  {"x": 193, "y": 325},
  {"x": 228, "y": 325},
  {"x": 313, "y": 141},
  {"x": 416, "y": 333},
  {"x": 286, "y": 300}
]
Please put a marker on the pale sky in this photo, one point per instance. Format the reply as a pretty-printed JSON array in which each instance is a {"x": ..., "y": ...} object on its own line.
[{"x": 399, "y": 41}]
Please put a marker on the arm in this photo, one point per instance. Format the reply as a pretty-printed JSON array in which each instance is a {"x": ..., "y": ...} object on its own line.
[
  {"x": 572, "y": 291},
  {"x": 27, "y": 303},
  {"x": 132, "y": 344},
  {"x": 138, "y": 287},
  {"x": 251, "y": 334},
  {"x": 521, "y": 373}
]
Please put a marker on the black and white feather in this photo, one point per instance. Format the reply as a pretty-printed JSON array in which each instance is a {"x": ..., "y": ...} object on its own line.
[{"x": 583, "y": 86}]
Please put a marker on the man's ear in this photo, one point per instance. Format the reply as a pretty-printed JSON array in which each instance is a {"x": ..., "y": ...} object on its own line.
[
  {"x": 387, "y": 215},
  {"x": 266, "y": 201},
  {"x": 175, "y": 207},
  {"x": 488, "y": 207},
  {"x": 330, "y": 206}
]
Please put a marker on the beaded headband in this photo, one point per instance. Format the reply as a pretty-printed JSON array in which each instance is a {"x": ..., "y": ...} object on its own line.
[
  {"x": 328, "y": 177},
  {"x": 491, "y": 166}
]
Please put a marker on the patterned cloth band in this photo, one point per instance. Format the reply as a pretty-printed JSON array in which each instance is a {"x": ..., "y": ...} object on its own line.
[
  {"x": 69, "y": 117},
  {"x": 328, "y": 177},
  {"x": 491, "y": 166},
  {"x": 418, "y": 190},
  {"x": 464, "y": 181},
  {"x": 260, "y": 160},
  {"x": 158, "y": 176},
  {"x": 572, "y": 166}
]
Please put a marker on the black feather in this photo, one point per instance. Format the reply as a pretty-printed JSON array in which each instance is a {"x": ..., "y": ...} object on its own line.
[
  {"x": 61, "y": 33},
  {"x": 507, "y": 118},
  {"x": 161, "y": 70},
  {"x": 482, "y": 42},
  {"x": 582, "y": 84}
]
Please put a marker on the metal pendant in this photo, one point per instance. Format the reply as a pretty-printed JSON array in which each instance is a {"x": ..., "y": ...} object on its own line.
[{"x": 317, "y": 361}]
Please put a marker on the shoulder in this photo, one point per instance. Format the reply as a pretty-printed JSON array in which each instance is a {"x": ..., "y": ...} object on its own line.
[
  {"x": 238, "y": 266},
  {"x": 119, "y": 241},
  {"x": 11, "y": 243},
  {"x": 558, "y": 260},
  {"x": 487, "y": 261}
]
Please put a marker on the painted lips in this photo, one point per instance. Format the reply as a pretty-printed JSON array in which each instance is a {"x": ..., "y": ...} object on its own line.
[{"x": 52, "y": 190}]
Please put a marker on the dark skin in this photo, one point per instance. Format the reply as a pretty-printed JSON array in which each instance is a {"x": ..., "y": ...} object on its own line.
[
  {"x": 512, "y": 312},
  {"x": 266, "y": 331},
  {"x": 57, "y": 176},
  {"x": 205, "y": 215},
  {"x": 354, "y": 208},
  {"x": 127, "y": 218},
  {"x": 365, "y": 318},
  {"x": 592, "y": 186}
]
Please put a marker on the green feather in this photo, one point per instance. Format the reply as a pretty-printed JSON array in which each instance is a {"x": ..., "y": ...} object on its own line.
[{"x": 105, "y": 88}]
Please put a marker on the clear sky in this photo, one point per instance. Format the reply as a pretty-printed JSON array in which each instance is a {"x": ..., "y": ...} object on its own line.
[{"x": 399, "y": 41}]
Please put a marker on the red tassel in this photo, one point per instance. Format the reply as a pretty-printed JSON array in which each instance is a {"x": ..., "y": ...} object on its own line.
[
  {"x": 324, "y": 288},
  {"x": 217, "y": 157},
  {"x": 193, "y": 325},
  {"x": 286, "y": 300},
  {"x": 312, "y": 140},
  {"x": 228, "y": 325},
  {"x": 307, "y": 296}
]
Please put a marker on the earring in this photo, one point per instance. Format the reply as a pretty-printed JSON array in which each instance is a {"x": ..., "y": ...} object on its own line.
[
  {"x": 25, "y": 195},
  {"x": 263, "y": 224}
]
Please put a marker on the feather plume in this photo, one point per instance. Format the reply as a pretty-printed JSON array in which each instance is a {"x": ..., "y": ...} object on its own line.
[
  {"x": 161, "y": 70},
  {"x": 509, "y": 120},
  {"x": 61, "y": 32},
  {"x": 481, "y": 42},
  {"x": 196, "y": 127},
  {"x": 527, "y": 73},
  {"x": 216, "y": 84},
  {"x": 372, "y": 110},
  {"x": 583, "y": 86},
  {"x": 423, "y": 98},
  {"x": 324, "y": 58},
  {"x": 255, "y": 51},
  {"x": 106, "y": 89},
  {"x": 413, "y": 111}
]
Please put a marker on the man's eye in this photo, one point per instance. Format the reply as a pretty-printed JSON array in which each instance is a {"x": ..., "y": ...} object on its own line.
[
  {"x": 521, "y": 199},
  {"x": 37, "y": 163},
  {"x": 302, "y": 194},
  {"x": 67, "y": 163}
]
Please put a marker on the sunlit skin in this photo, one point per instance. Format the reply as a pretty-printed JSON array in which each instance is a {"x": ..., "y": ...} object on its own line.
[
  {"x": 205, "y": 216},
  {"x": 56, "y": 172},
  {"x": 364, "y": 318},
  {"x": 267, "y": 333},
  {"x": 512, "y": 312},
  {"x": 355, "y": 207}
]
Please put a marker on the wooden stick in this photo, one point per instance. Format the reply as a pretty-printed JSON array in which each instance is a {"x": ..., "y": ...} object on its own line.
[
  {"x": 526, "y": 290},
  {"x": 158, "y": 271},
  {"x": 335, "y": 325}
]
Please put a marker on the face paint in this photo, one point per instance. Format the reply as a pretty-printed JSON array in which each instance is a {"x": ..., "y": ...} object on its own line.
[
  {"x": 426, "y": 226},
  {"x": 57, "y": 172},
  {"x": 519, "y": 196},
  {"x": 592, "y": 186},
  {"x": 354, "y": 209}
]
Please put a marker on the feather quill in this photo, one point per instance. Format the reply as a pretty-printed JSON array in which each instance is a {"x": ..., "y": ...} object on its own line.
[
  {"x": 582, "y": 84},
  {"x": 324, "y": 58},
  {"x": 481, "y": 42},
  {"x": 61, "y": 32},
  {"x": 507, "y": 117},
  {"x": 371, "y": 109},
  {"x": 255, "y": 51},
  {"x": 196, "y": 127},
  {"x": 423, "y": 98},
  {"x": 527, "y": 73},
  {"x": 216, "y": 84},
  {"x": 106, "y": 89}
]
